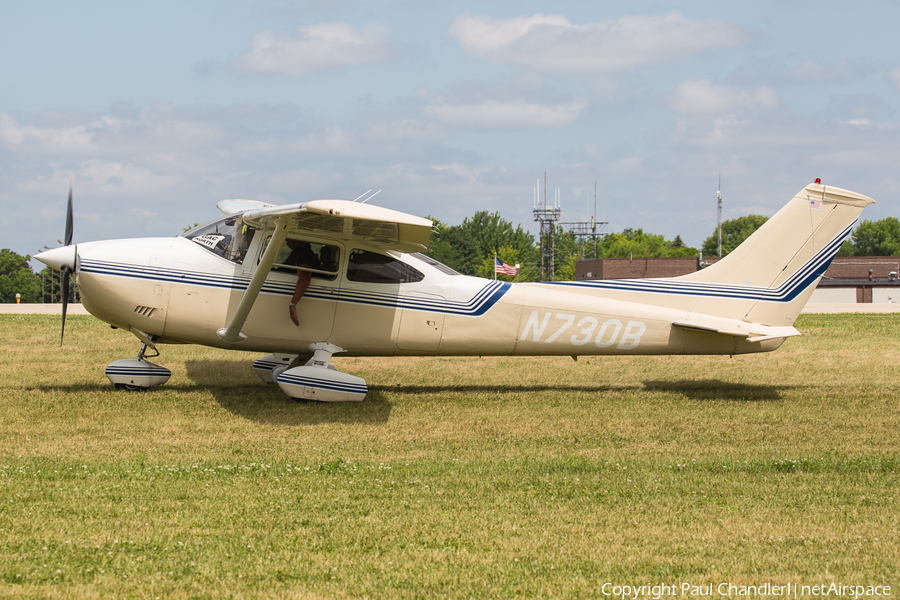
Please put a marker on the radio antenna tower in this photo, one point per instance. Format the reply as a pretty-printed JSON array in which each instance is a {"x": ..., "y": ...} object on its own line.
[
  {"x": 587, "y": 229},
  {"x": 719, "y": 217},
  {"x": 548, "y": 218}
]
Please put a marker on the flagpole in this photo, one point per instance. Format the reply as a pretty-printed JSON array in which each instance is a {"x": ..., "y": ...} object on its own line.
[{"x": 495, "y": 266}]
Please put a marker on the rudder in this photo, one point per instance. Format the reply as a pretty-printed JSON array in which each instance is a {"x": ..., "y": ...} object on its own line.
[{"x": 789, "y": 253}]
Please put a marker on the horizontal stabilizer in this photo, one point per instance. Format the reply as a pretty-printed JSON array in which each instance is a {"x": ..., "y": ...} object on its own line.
[{"x": 753, "y": 332}]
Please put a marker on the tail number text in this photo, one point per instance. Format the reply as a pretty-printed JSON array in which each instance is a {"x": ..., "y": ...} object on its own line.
[{"x": 604, "y": 334}]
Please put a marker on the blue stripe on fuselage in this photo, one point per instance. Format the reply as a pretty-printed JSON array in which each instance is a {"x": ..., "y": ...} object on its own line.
[
  {"x": 477, "y": 305},
  {"x": 794, "y": 285}
]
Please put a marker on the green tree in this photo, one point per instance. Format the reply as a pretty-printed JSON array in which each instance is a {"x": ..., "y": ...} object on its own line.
[
  {"x": 50, "y": 281},
  {"x": 635, "y": 242},
  {"x": 490, "y": 231},
  {"x": 565, "y": 269},
  {"x": 847, "y": 248},
  {"x": 16, "y": 276},
  {"x": 454, "y": 246},
  {"x": 565, "y": 252},
  {"x": 734, "y": 232},
  {"x": 877, "y": 238},
  {"x": 470, "y": 246}
]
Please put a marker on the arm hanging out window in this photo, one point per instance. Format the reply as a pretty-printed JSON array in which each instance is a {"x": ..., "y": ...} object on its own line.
[{"x": 307, "y": 260}]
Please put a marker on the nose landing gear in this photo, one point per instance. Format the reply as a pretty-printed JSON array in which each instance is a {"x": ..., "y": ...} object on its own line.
[{"x": 137, "y": 374}]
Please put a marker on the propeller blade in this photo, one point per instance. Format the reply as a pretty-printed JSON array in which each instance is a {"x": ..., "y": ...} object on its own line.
[
  {"x": 66, "y": 270},
  {"x": 64, "y": 292},
  {"x": 69, "y": 225}
]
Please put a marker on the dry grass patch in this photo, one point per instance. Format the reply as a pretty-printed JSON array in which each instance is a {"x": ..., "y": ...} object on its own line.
[{"x": 456, "y": 477}]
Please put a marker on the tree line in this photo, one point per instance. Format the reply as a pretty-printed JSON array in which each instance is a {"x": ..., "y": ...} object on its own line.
[
  {"x": 16, "y": 276},
  {"x": 870, "y": 238},
  {"x": 470, "y": 247}
]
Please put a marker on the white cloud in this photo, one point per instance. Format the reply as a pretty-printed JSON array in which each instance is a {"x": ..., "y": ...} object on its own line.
[
  {"x": 702, "y": 97},
  {"x": 894, "y": 77},
  {"x": 552, "y": 43},
  {"x": 100, "y": 178},
  {"x": 381, "y": 128},
  {"x": 331, "y": 140},
  {"x": 812, "y": 71},
  {"x": 463, "y": 172},
  {"x": 312, "y": 49},
  {"x": 629, "y": 165},
  {"x": 494, "y": 114},
  {"x": 30, "y": 138},
  {"x": 858, "y": 109}
]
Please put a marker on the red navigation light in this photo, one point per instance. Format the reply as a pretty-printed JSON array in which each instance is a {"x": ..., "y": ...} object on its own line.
[{"x": 818, "y": 180}]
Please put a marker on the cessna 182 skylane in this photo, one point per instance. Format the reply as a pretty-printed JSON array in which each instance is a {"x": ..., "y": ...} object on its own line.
[{"x": 374, "y": 292}]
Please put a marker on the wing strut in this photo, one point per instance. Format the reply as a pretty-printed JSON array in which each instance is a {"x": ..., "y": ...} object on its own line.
[{"x": 232, "y": 334}]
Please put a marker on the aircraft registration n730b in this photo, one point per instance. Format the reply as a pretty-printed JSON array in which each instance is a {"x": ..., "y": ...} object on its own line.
[{"x": 374, "y": 292}]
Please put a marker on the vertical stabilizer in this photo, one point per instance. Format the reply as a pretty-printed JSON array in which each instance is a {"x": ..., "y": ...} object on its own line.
[{"x": 787, "y": 256}]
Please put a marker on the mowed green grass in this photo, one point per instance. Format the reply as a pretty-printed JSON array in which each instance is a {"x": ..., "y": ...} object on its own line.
[{"x": 456, "y": 477}]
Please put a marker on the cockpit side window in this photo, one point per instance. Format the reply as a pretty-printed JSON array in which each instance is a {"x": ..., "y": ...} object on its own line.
[
  {"x": 372, "y": 267},
  {"x": 323, "y": 260},
  {"x": 228, "y": 238}
]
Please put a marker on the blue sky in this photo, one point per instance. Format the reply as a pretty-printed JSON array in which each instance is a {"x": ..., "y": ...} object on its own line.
[{"x": 156, "y": 111}]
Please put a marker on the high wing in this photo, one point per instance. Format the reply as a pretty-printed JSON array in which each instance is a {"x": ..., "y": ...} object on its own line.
[
  {"x": 345, "y": 220},
  {"x": 338, "y": 219},
  {"x": 229, "y": 207}
]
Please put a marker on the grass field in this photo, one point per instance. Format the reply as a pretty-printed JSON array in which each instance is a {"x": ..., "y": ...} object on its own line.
[{"x": 456, "y": 477}]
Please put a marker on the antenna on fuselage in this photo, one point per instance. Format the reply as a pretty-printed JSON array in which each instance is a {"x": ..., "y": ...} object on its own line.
[
  {"x": 370, "y": 197},
  {"x": 363, "y": 194}
]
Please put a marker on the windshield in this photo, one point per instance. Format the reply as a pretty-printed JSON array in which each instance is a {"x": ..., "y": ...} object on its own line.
[
  {"x": 227, "y": 237},
  {"x": 436, "y": 264}
]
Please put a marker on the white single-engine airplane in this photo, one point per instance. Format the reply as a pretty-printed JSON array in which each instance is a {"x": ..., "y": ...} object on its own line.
[{"x": 373, "y": 292}]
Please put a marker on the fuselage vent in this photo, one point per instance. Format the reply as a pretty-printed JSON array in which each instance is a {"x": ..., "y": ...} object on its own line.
[{"x": 146, "y": 311}]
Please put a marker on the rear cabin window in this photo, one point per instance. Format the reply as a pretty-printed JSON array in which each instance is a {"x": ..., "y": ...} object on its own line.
[{"x": 372, "y": 267}]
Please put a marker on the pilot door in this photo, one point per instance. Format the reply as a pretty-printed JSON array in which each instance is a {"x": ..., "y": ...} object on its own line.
[
  {"x": 270, "y": 318},
  {"x": 379, "y": 307}
]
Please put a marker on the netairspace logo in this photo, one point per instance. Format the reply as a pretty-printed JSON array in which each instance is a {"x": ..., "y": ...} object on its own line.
[{"x": 729, "y": 590}]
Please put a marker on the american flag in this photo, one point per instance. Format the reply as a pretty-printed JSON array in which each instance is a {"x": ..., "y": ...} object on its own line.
[
  {"x": 503, "y": 268},
  {"x": 815, "y": 204}
]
